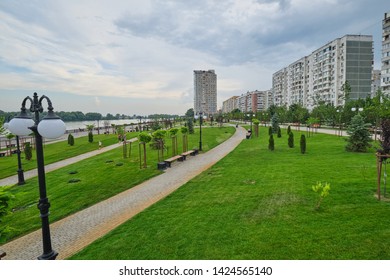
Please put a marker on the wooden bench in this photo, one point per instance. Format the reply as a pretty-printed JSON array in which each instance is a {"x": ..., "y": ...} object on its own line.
[
  {"x": 2, "y": 254},
  {"x": 190, "y": 152},
  {"x": 2, "y": 154},
  {"x": 168, "y": 161}
]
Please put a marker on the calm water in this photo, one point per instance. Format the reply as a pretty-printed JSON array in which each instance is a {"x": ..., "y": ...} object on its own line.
[{"x": 83, "y": 124}]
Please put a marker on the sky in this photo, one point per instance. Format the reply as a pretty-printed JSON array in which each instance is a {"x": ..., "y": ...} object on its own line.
[{"x": 138, "y": 56}]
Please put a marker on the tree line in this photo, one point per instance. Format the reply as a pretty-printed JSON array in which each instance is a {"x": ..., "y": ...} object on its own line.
[
  {"x": 92, "y": 116},
  {"x": 372, "y": 109}
]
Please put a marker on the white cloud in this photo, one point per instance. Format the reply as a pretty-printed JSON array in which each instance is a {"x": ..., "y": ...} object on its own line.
[{"x": 147, "y": 50}]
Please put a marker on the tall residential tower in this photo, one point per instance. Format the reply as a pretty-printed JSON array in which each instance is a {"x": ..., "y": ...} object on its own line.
[
  {"x": 320, "y": 76},
  {"x": 385, "y": 81},
  {"x": 205, "y": 92}
]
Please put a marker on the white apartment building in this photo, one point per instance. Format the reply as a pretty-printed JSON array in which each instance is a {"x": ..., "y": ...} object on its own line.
[
  {"x": 385, "y": 73},
  {"x": 255, "y": 101},
  {"x": 205, "y": 92},
  {"x": 321, "y": 75},
  {"x": 230, "y": 104}
]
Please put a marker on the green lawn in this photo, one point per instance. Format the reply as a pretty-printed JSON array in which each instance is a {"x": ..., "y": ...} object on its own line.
[
  {"x": 258, "y": 204},
  {"x": 58, "y": 151},
  {"x": 101, "y": 177}
]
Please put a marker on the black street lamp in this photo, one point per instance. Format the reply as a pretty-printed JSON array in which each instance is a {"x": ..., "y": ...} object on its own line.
[
  {"x": 251, "y": 116},
  {"x": 200, "y": 130},
  {"x": 51, "y": 126},
  {"x": 20, "y": 170}
]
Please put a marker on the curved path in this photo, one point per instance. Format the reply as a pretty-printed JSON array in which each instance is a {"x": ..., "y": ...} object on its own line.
[{"x": 75, "y": 232}]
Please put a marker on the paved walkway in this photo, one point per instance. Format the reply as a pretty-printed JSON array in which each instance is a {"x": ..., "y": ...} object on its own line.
[{"x": 75, "y": 232}]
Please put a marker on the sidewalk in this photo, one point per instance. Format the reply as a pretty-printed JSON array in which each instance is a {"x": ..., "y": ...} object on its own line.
[{"x": 77, "y": 231}]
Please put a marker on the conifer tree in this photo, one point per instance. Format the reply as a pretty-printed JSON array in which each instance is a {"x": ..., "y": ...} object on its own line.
[
  {"x": 291, "y": 140},
  {"x": 271, "y": 143},
  {"x": 303, "y": 144}
]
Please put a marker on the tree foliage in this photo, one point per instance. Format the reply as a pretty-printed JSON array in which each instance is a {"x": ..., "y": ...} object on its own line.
[
  {"x": 70, "y": 139},
  {"x": 359, "y": 136},
  {"x": 385, "y": 139},
  {"x": 291, "y": 140},
  {"x": 5, "y": 197},
  {"x": 28, "y": 151},
  {"x": 271, "y": 143},
  {"x": 302, "y": 143}
]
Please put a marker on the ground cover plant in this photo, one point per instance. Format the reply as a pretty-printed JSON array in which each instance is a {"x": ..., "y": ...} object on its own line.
[
  {"x": 92, "y": 180},
  {"x": 259, "y": 204},
  {"x": 54, "y": 152}
]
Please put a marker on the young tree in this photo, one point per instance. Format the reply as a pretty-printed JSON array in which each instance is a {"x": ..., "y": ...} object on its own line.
[
  {"x": 70, "y": 139},
  {"x": 291, "y": 140},
  {"x": 28, "y": 151},
  {"x": 256, "y": 123},
  {"x": 279, "y": 132},
  {"x": 303, "y": 144},
  {"x": 173, "y": 133},
  {"x": 143, "y": 138},
  {"x": 190, "y": 126},
  {"x": 359, "y": 136},
  {"x": 270, "y": 131},
  {"x": 271, "y": 143},
  {"x": 184, "y": 132},
  {"x": 90, "y": 128},
  {"x": 385, "y": 139}
]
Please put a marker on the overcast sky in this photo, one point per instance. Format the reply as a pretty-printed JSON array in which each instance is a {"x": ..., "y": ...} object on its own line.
[{"x": 137, "y": 57}]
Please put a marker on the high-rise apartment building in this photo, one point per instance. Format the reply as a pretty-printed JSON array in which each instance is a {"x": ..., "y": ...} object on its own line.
[
  {"x": 230, "y": 104},
  {"x": 385, "y": 73},
  {"x": 255, "y": 101},
  {"x": 205, "y": 92},
  {"x": 321, "y": 75}
]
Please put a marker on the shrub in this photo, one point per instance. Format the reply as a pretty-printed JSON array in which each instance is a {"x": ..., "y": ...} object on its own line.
[
  {"x": 90, "y": 137},
  {"x": 303, "y": 144},
  {"x": 190, "y": 126},
  {"x": 5, "y": 197},
  {"x": 322, "y": 190},
  {"x": 279, "y": 132},
  {"x": 28, "y": 151},
  {"x": 270, "y": 131},
  {"x": 288, "y": 130},
  {"x": 271, "y": 143},
  {"x": 70, "y": 139},
  {"x": 360, "y": 137},
  {"x": 291, "y": 140}
]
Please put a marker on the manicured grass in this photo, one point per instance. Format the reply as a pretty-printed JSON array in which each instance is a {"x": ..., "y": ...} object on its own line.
[
  {"x": 58, "y": 151},
  {"x": 98, "y": 178},
  {"x": 258, "y": 204}
]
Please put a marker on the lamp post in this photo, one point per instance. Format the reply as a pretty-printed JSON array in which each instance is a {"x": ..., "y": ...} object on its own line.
[
  {"x": 20, "y": 170},
  {"x": 51, "y": 126},
  {"x": 250, "y": 117},
  {"x": 200, "y": 130}
]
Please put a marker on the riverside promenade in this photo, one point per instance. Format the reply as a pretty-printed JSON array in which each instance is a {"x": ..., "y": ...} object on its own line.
[{"x": 77, "y": 231}]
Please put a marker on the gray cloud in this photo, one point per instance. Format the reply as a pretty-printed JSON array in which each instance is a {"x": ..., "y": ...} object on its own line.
[{"x": 147, "y": 49}]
